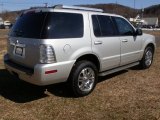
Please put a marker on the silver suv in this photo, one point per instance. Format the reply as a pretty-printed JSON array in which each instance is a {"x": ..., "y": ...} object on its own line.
[{"x": 75, "y": 45}]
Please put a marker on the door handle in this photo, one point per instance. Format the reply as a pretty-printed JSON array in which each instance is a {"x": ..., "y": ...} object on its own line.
[
  {"x": 98, "y": 42},
  {"x": 125, "y": 40}
]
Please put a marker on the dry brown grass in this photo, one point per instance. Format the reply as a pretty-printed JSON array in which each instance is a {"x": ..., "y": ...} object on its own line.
[
  {"x": 154, "y": 32},
  {"x": 3, "y": 41},
  {"x": 131, "y": 94}
]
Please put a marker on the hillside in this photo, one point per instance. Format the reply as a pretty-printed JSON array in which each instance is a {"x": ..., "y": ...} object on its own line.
[
  {"x": 11, "y": 16},
  {"x": 152, "y": 11},
  {"x": 114, "y": 8}
]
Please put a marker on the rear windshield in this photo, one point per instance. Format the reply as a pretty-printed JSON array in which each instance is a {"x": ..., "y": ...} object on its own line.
[
  {"x": 52, "y": 25},
  {"x": 29, "y": 25}
]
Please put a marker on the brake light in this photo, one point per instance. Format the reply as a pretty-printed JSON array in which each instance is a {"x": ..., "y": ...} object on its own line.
[{"x": 47, "y": 54}]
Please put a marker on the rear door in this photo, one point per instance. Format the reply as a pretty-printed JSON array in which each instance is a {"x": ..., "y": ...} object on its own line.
[
  {"x": 105, "y": 43},
  {"x": 130, "y": 44}
]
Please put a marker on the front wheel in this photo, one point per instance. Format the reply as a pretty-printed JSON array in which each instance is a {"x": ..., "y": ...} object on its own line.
[
  {"x": 147, "y": 58},
  {"x": 83, "y": 78}
]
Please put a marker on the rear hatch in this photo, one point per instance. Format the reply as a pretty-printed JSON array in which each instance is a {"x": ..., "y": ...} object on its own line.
[
  {"x": 25, "y": 38},
  {"x": 36, "y": 33}
]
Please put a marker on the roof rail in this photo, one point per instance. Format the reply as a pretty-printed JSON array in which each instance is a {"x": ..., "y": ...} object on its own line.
[{"x": 77, "y": 8}]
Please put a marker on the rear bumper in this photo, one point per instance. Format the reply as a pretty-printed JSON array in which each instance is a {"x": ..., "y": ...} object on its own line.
[{"x": 38, "y": 75}]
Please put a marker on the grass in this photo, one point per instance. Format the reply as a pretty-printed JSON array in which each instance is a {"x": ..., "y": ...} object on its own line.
[
  {"x": 131, "y": 94},
  {"x": 156, "y": 33}
]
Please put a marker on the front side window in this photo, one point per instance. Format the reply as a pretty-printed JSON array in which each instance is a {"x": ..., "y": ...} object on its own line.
[
  {"x": 63, "y": 25},
  {"x": 123, "y": 26}
]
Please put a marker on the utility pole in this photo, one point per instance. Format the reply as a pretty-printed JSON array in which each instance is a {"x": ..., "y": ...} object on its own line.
[
  {"x": 116, "y": 7},
  {"x": 134, "y": 8},
  {"x": 142, "y": 12},
  {"x": 46, "y": 4},
  {"x": 1, "y": 4}
]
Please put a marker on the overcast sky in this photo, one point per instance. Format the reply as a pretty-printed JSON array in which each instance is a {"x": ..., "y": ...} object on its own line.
[{"x": 12, "y": 5}]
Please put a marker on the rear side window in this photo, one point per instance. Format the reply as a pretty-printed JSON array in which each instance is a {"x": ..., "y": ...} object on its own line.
[
  {"x": 29, "y": 25},
  {"x": 63, "y": 25},
  {"x": 96, "y": 27},
  {"x": 123, "y": 26},
  {"x": 103, "y": 26}
]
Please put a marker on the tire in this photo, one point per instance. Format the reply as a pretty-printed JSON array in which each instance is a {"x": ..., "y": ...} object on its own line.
[
  {"x": 83, "y": 78},
  {"x": 147, "y": 59}
]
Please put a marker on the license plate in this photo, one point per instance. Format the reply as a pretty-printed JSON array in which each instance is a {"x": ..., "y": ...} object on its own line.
[{"x": 19, "y": 51}]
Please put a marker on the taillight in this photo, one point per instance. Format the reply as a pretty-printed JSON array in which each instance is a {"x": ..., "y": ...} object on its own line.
[{"x": 47, "y": 54}]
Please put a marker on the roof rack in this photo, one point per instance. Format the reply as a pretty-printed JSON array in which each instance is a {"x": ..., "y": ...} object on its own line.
[{"x": 77, "y": 8}]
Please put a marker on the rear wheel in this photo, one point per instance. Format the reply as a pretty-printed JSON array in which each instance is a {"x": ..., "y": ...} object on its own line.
[
  {"x": 147, "y": 58},
  {"x": 83, "y": 78}
]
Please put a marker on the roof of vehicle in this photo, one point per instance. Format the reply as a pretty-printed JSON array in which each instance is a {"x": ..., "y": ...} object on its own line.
[{"x": 68, "y": 9}]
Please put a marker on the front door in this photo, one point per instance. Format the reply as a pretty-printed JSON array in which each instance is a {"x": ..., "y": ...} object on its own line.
[{"x": 130, "y": 44}]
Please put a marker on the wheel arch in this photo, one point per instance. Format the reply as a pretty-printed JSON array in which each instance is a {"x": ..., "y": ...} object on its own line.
[
  {"x": 147, "y": 43},
  {"x": 151, "y": 45},
  {"x": 143, "y": 63},
  {"x": 92, "y": 58}
]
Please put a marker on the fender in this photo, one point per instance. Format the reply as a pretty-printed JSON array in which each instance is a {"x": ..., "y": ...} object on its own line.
[{"x": 147, "y": 39}]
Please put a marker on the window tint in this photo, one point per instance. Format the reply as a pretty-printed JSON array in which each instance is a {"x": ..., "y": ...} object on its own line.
[
  {"x": 96, "y": 27},
  {"x": 63, "y": 25},
  {"x": 28, "y": 25},
  {"x": 106, "y": 25},
  {"x": 123, "y": 26},
  {"x": 103, "y": 26},
  {"x": 48, "y": 25}
]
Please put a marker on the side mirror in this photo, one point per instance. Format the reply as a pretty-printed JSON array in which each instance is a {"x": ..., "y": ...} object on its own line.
[{"x": 138, "y": 32}]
